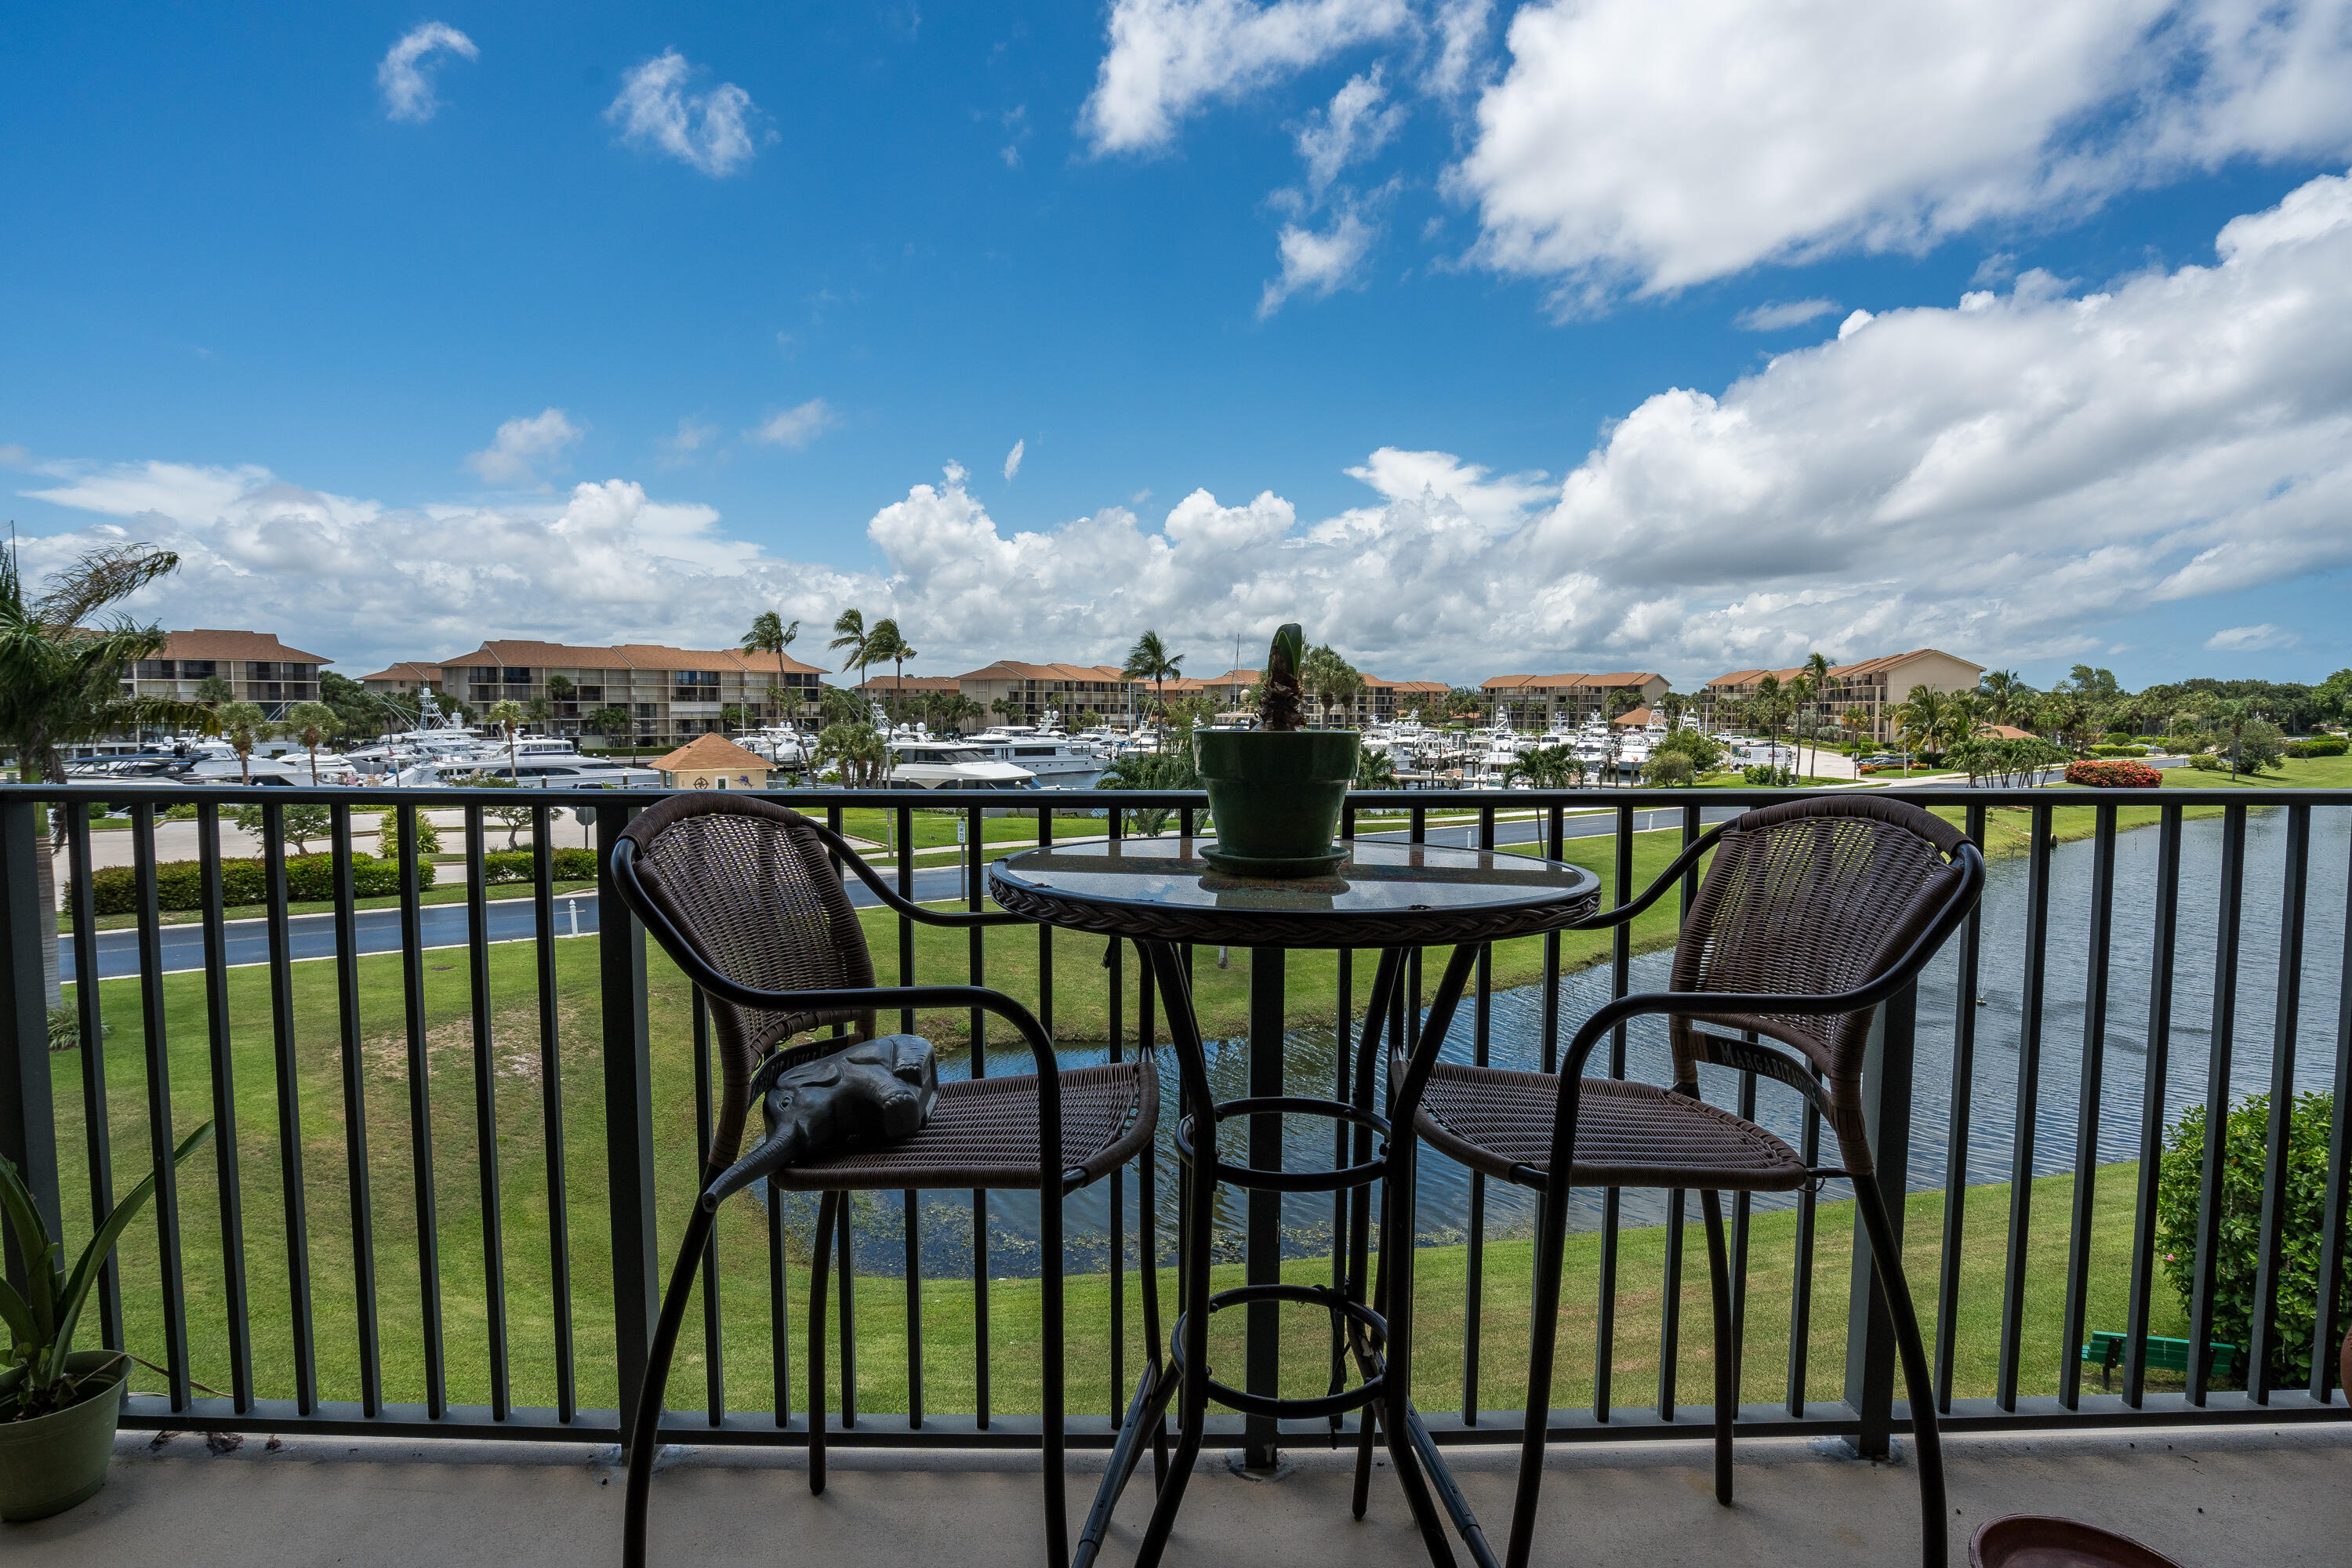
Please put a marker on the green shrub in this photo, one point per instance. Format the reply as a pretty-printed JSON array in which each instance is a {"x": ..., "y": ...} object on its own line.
[
  {"x": 2244, "y": 1160},
  {"x": 1767, "y": 777},
  {"x": 515, "y": 866},
  {"x": 2118, "y": 751},
  {"x": 2207, "y": 763},
  {"x": 428, "y": 837},
  {"x": 2318, "y": 746},
  {"x": 310, "y": 878}
]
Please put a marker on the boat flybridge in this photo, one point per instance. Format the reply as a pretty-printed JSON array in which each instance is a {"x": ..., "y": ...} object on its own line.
[{"x": 942, "y": 763}]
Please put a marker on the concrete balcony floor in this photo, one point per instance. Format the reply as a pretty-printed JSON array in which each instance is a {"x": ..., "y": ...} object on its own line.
[{"x": 2277, "y": 1496}]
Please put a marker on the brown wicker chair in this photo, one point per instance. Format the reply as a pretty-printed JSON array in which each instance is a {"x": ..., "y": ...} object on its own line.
[
  {"x": 743, "y": 895},
  {"x": 1813, "y": 913}
]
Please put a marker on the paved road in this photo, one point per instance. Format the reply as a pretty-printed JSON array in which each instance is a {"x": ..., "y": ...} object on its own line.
[{"x": 514, "y": 920}]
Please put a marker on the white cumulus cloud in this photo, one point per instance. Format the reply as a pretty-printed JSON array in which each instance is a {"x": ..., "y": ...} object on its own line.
[
  {"x": 523, "y": 446},
  {"x": 1012, "y": 458},
  {"x": 1317, "y": 262},
  {"x": 1167, "y": 58},
  {"x": 795, "y": 427},
  {"x": 402, "y": 74},
  {"x": 711, "y": 131},
  {"x": 2005, "y": 482},
  {"x": 1780, "y": 315},
  {"x": 1638, "y": 145},
  {"x": 1359, "y": 123}
]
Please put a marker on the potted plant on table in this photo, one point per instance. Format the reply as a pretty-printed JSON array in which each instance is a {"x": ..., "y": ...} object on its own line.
[
  {"x": 59, "y": 1406},
  {"x": 1276, "y": 791}
]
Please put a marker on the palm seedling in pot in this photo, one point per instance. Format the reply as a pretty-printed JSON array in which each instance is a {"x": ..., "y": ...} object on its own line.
[
  {"x": 1276, "y": 791},
  {"x": 59, "y": 1406}
]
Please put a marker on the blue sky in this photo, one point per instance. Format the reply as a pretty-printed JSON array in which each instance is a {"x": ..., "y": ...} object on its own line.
[{"x": 740, "y": 285}]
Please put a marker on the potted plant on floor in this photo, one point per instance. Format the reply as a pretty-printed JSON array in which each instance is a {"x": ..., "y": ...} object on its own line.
[
  {"x": 1276, "y": 791},
  {"x": 59, "y": 1406}
]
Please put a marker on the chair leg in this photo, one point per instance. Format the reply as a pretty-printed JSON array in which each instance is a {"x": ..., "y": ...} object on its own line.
[
  {"x": 1195, "y": 1218},
  {"x": 1726, "y": 1353},
  {"x": 645, "y": 1432},
  {"x": 1146, "y": 1224},
  {"x": 1551, "y": 1247},
  {"x": 1935, "y": 1545},
  {"x": 1049, "y": 1241},
  {"x": 819, "y": 1265}
]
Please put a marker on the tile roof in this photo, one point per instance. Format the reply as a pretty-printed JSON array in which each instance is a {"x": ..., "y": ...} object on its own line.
[
  {"x": 408, "y": 669},
  {"x": 715, "y": 752},
  {"x": 906, "y": 683},
  {"x": 262, "y": 645},
  {"x": 1018, "y": 669},
  {"x": 1842, "y": 671},
  {"x": 520, "y": 654}
]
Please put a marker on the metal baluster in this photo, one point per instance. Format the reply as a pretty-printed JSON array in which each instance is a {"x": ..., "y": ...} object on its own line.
[
  {"x": 2155, "y": 1069},
  {"x": 1114, "y": 960},
  {"x": 420, "y": 1111},
  {"x": 2226, "y": 932},
  {"x": 159, "y": 1102},
  {"x": 1956, "y": 1142},
  {"x": 1474, "y": 1291},
  {"x": 977, "y": 973},
  {"x": 905, "y": 815},
  {"x": 83, "y": 906},
  {"x": 1555, "y": 848},
  {"x": 2285, "y": 1017},
  {"x": 1621, "y": 971},
  {"x": 2086, "y": 1118},
  {"x": 2028, "y": 1084},
  {"x": 355, "y": 1145},
  {"x": 2327, "y": 1328},
  {"x": 218, "y": 1038},
  {"x": 714, "y": 1372},
  {"x": 1800, "y": 1289},
  {"x": 551, "y": 1110},
  {"x": 486, "y": 1114}
]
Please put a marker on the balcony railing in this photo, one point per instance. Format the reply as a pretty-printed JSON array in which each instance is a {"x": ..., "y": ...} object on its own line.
[{"x": 457, "y": 1122}]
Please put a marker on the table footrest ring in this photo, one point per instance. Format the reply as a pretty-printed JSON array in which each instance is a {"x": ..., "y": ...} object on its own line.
[
  {"x": 1327, "y": 1404},
  {"x": 1346, "y": 1176}
]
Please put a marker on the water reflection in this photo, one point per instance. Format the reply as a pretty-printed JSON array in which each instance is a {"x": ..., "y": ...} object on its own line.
[{"x": 1991, "y": 1094}]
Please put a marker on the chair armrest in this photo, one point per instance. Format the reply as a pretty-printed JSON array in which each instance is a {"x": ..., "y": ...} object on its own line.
[
  {"x": 899, "y": 901},
  {"x": 1665, "y": 880}
]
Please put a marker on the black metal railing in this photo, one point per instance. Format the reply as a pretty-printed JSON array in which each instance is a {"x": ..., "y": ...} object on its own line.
[{"x": 397, "y": 1233}]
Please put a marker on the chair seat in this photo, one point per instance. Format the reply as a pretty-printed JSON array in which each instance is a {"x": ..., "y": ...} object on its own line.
[
  {"x": 984, "y": 1133},
  {"x": 1627, "y": 1134}
]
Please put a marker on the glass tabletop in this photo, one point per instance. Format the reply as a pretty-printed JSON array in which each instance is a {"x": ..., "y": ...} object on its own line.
[{"x": 1379, "y": 891}]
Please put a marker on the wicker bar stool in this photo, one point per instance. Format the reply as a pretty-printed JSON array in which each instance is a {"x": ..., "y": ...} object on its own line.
[
  {"x": 1812, "y": 914},
  {"x": 743, "y": 896}
]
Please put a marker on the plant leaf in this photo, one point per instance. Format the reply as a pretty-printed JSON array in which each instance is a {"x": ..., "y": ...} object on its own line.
[
  {"x": 33, "y": 1245},
  {"x": 101, "y": 1247},
  {"x": 18, "y": 1315}
]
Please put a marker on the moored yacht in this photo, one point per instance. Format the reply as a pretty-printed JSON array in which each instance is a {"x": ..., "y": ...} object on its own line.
[{"x": 939, "y": 762}]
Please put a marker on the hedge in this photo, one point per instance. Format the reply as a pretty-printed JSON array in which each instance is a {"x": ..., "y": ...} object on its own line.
[
  {"x": 2115, "y": 773},
  {"x": 515, "y": 865},
  {"x": 2245, "y": 1146},
  {"x": 310, "y": 878},
  {"x": 2120, "y": 750},
  {"x": 2320, "y": 746}
]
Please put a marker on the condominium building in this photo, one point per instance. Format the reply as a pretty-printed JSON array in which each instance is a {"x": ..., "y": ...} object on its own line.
[
  {"x": 671, "y": 693},
  {"x": 1378, "y": 701},
  {"x": 402, "y": 680},
  {"x": 1083, "y": 694},
  {"x": 1874, "y": 686},
  {"x": 1541, "y": 701},
  {"x": 258, "y": 668}
]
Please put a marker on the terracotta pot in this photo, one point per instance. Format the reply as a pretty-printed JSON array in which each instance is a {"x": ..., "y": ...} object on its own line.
[
  {"x": 52, "y": 1462},
  {"x": 1276, "y": 797}
]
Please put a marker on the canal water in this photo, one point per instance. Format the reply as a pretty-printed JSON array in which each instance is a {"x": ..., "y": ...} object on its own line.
[{"x": 1515, "y": 1040}]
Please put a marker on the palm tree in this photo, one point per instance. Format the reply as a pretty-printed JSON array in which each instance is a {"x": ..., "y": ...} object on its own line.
[
  {"x": 1149, "y": 661},
  {"x": 1853, "y": 721},
  {"x": 615, "y": 723},
  {"x": 309, "y": 723},
  {"x": 885, "y": 642},
  {"x": 2000, "y": 690},
  {"x": 1920, "y": 721},
  {"x": 243, "y": 727},
  {"x": 2230, "y": 717},
  {"x": 1817, "y": 675},
  {"x": 507, "y": 716},
  {"x": 850, "y": 633},
  {"x": 1799, "y": 696},
  {"x": 61, "y": 682},
  {"x": 1673, "y": 705},
  {"x": 770, "y": 635},
  {"x": 1332, "y": 680},
  {"x": 859, "y": 751}
]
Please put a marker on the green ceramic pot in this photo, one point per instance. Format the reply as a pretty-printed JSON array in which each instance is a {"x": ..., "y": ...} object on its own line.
[
  {"x": 52, "y": 1462},
  {"x": 1276, "y": 796}
]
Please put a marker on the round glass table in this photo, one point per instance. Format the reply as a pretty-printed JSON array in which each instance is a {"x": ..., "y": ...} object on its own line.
[{"x": 1393, "y": 898}]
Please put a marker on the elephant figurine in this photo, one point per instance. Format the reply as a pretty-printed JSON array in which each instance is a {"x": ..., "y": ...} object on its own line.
[{"x": 875, "y": 1092}]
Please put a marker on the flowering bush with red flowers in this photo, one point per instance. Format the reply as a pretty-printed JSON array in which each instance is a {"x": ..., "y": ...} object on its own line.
[{"x": 2114, "y": 773}]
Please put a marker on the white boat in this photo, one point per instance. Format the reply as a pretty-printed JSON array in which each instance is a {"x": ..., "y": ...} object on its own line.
[
  {"x": 942, "y": 763},
  {"x": 1058, "y": 760},
  {"x": 781, "y": 744}
]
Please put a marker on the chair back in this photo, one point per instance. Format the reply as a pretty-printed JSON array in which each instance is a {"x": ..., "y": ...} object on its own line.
[
  {"x": 746, "y": 887},
  {"x": 1816, "y": 896}
]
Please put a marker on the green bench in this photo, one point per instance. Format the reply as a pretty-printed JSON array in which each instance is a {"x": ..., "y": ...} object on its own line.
[{"x": 2106, "y": 1350}]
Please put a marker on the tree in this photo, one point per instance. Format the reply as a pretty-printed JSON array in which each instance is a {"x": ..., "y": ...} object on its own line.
[
  {"x": 61, "y": 666},
  {"x": 1798, "y": 695},
  {"x": 300, "y": 824},
  {"x": 1673, "y": 705},
  {"x": 359, "y": 712},
  {"x": 850, "y": 634},
  {"x": 1853, "y": 721},
  {"x": 1963, "y": 715},
  {"x": 836, "y": 706},
  {"x": 507, "y": 717},
  {"x": 885, "y": 642},
  {"x": 1149, "y": 661},
  {"x": 243, "y": 727},
  {"x": 857, "y": 752},
  {"x": 387, "y": 835},
  {"x": 513, "y": 818},
  {"x": 309, "y": 723},
  {"x": 212, "y": 691},
  {"x": 560, "y": 687},
  {"x": 1666, "y": 769},
  {"x": 613, "y": 723},
  {"x": 1919, "y": 721},
  {"x": 1817, "y": 678},
  {"x": 1706, "y": 753},
  {"x": 769, "y": 633},
  {"x": 1330, "y": 680},
  {"x": 540, "y": 709},
  {"x": 2000, "y": 689}
]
